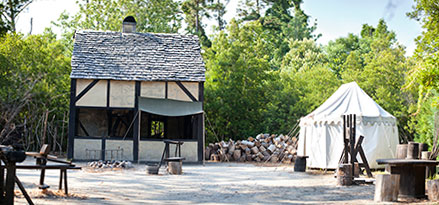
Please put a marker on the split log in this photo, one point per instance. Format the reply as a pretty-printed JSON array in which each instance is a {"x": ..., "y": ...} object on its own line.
[
  {"x": 272, "y": 148},
  {"x": 257, "y": 143},
  {"x": 248, "y": 151},
  {"x": 237, "y": 155},
  {"x": 231, "y": 148},
  {"x": 255, "y": 150},
  {"x": 214, "y": 157},
  {"x": 262, "y": 148},
  {"x": 242, "y": 158},
  {"x": 249, "y": 158},
  {"x": 265, "y": 153}
]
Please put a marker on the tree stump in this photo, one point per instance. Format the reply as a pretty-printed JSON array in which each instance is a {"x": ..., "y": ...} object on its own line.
[
  {"x": 433, "y": 190},
  {"x": 386, "y": 187},
  {"x": 175, "y": 168},
  {"x": 344, "y": 174}
]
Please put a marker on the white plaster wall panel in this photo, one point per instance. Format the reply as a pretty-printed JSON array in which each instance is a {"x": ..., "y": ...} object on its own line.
[
  {"x": 192, "y": 87},
  {"x": 151, "y": 150},
  {"x": 122, "y": 93},
  {"x": 188, "y": 151},
  {"x": 126, "y": 145},
  {"x": 95, "y": 97},
  {"x": 153, "y": 89},
  {"x": 176, "y": 93},
  {"x": 82, "y": 145}
]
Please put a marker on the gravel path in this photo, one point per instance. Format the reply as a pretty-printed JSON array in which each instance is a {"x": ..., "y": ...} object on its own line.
[{"x": 214, "y": 183}]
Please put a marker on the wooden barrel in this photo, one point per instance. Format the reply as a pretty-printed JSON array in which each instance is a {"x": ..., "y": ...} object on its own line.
[
  {"x": 413, "y": 150},
  {"x": 344, "y": 175},
  {"x": 422, "y": 147},
  {"x": 401, "y": 151},
  {"x": 300, "y": 164}
]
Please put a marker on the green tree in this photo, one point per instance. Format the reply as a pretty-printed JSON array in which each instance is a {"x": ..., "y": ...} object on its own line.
[
  {"x": 237, "y": 69},
  {"x": 302, "y": 84},
  {"x": 339, "y": 50},
  {"x": 196, "y": 11},
  {"x": 159, "y": 16},
  {"x": 250, "y": 10},
  {"x": 9, "y": 11},
  {"x": 379, "y": 67},
  {"x": 283, "y": 26},
  {"x": 34, "y": 77},
  {"x": 424, "y": 76}
]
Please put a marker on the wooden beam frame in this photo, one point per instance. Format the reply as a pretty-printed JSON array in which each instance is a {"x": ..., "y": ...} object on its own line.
[
  {"x": 185, "y": 90},
  {"x": 136, "y": 126},
  {"x": 72, "y": 119},
  {"x": 86, "y": 89}
]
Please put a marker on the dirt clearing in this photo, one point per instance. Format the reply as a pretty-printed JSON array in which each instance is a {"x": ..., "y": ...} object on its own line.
[{"x": 214, "y": 183}]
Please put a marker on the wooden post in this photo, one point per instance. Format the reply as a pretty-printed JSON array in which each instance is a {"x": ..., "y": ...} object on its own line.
[
  {"x": 346, "y": 147},
  {"x": 72, "y": 119},
  {"x": 386, "y": 187},
  {"x": 136, "y": 127}
]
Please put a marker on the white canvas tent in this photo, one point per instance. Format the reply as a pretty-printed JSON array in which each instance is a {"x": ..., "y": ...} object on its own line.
[{"x": 321, "y": 136}]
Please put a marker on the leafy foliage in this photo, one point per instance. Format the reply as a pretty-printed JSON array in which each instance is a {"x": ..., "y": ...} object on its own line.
[
  {"x": 9, "y": 11},
  {"x": 237, "y": 68},
  {"x": 34, "y": 76},
  {"x": 424, "y": 75}
]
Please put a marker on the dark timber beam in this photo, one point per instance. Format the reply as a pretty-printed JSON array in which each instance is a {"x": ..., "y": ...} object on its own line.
[
  {"x": 185, "y": 90},
  {"x": 83, "y": 128},
  {"x": 166, "y": 90},
  {"x": 200, "y": 125},
  {"x": 89, "y": 86},
  {"x": 136, "y": 128},
  {"x": 72, "y": 119}
]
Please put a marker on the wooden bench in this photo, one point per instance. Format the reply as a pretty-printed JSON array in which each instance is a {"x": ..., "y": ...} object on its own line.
[
  {"x": 62, "y": 177},
  {"x": 42, "y": 158}
]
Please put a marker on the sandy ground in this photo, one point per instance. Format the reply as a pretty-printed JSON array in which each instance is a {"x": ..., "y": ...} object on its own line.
[{"x": 214, "y": 183}]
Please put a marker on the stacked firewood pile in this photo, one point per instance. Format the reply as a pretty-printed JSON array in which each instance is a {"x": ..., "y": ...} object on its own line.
[
  {"x": 262, "y": 148},
  {"x": 110, "y": 164}
]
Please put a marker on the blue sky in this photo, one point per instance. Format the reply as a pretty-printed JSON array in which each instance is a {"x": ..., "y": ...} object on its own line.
[{"x": 335, "y": 18}]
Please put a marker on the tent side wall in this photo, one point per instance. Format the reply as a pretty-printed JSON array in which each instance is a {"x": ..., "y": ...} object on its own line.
[{"x": 323, "y": 142}]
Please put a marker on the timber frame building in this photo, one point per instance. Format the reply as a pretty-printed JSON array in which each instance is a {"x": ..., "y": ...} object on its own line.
[{"x": 130, "y": 91}]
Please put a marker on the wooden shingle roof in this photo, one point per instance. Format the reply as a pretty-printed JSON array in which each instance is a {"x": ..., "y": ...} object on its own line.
[{"x": 137, "y": 56}]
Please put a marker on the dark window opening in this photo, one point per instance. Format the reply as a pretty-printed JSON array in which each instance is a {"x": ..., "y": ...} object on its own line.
[
  {"x": 92, "y": 122},
  {"x": 163, "y": 127},
  {"x": 101, "y": 122}
]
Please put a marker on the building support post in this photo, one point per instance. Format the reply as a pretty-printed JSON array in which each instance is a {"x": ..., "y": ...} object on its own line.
[
  {"x": 136, "y": 126},
  {"x": 72, "y": 119}
]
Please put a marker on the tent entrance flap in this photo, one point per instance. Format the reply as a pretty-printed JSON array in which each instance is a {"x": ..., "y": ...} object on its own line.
[{"x": 167, "y": 107}]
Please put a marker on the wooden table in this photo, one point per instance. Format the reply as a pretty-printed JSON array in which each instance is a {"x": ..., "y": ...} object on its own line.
[{"x": 412, "y": 175}]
